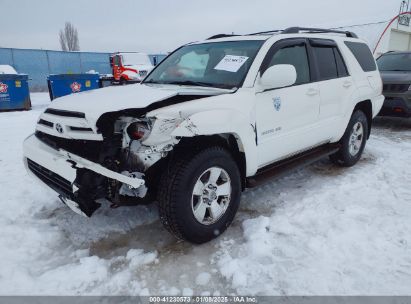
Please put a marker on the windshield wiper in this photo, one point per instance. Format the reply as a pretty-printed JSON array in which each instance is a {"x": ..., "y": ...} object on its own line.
[
  {"x": 199, "y": 84},
  {"x": 190, "y": 82},
  {"x": 151, "y": 81}
]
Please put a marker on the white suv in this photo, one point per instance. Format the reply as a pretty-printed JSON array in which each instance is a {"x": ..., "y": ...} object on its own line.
[{"x": 214, "y": 118}]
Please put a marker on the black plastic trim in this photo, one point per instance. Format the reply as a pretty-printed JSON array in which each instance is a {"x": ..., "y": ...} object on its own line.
[
  {"x": 65, "y": 113},
  {"x": 46, "y": 123},
  {"x": 298, "y": 161},
  {"x": 81, "y": 129},
  {"x": 53, "y": 180}
]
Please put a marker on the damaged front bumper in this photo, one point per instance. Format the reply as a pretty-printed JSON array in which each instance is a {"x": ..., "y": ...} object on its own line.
[{"x": 58, "y": 170}]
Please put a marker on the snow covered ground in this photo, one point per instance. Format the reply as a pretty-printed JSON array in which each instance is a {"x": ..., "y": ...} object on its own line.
[{"x": 320, "y": 231}]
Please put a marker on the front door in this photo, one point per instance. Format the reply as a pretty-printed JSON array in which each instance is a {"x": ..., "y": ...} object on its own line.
[{"x": 286, "y": 117}]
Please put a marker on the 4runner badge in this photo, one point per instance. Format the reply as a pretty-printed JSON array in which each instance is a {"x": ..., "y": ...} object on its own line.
[{"x": 277, "y": 103}]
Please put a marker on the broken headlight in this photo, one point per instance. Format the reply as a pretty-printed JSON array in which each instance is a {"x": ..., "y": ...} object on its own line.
[{"x": 139, "y": 130}]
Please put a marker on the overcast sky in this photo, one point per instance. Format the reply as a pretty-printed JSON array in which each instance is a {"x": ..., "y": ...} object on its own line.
[{"x": 162, "y": 25}]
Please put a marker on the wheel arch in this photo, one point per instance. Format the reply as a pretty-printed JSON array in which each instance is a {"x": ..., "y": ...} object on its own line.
[
  {"x": 229, "y": 141},
  {"x": 366, "y": 107},
  {"x": 224, "y": 123}
]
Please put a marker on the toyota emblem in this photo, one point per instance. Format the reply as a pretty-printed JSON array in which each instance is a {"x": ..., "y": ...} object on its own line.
[{"x": 59, "y": 128}]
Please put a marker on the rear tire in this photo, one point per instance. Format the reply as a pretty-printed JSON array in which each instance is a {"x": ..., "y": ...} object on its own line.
[
  {"x": 199, "y": 195},
  {"x": 353, "y": 142}
]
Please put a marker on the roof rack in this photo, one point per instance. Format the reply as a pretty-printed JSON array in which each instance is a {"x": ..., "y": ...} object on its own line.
[
  {"x": 266, "y": 32},
  {"x": 296, "y": 30},
  {"x": 291, "y": 30},
  {"x": 222, "y": 36}
]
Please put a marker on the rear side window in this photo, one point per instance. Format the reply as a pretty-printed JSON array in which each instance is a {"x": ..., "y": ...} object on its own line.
[
  {"x": 363, "y": 55},
  {"x": 327, "y": 65}
]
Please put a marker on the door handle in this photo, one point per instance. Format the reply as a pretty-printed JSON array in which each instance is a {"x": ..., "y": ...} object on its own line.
[
  {"x": 347, "y": 84},
  {"x": 312, "y": 92}
]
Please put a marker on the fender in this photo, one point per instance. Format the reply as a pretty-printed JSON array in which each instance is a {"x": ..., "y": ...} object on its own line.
[{"x": 223, "y": 121}]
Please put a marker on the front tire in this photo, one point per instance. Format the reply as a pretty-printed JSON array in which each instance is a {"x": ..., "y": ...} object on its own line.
[
  {"x": 353, "y": 142},
  {"x": 199, "y": 195}
]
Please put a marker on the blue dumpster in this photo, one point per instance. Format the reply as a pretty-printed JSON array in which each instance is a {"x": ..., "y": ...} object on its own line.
[
  {"x": 65, "y": 84},
  {"x": 14, "y": 92}
]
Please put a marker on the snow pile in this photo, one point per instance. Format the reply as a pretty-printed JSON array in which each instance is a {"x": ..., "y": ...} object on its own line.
[
  {"x": 203, "y": 278},
  {"x": 131, "y": 75},
  {"x": 7, "y": 69},
  {"x": 348, "y": 234}
]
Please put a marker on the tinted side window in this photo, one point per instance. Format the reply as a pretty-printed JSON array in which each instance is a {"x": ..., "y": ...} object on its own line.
[
  {"x": 327, "y": 65},
  {"x": 296, "y": 56},
  {"x": 363, "y": 55},
  {"x": 341, "y": 67}
]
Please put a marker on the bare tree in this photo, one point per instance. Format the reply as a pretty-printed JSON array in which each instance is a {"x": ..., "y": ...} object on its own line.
[{"x": 69, "y": 38}]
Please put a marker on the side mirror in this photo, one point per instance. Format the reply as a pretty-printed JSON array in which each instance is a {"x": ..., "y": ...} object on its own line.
[{"x": 278, "y": 76}]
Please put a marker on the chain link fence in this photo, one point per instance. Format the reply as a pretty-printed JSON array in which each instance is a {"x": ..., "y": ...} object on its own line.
[{"x": 38, "y": 64}]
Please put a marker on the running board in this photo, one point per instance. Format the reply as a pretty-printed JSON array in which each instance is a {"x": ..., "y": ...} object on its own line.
[{"x": 295, "y": 162}]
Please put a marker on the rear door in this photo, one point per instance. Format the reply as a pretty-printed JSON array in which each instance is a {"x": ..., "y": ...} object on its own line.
[{"x": 335, "y": 83}]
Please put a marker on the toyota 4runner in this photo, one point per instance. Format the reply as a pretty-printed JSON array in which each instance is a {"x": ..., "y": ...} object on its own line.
[{"x": 214, "y": 118}]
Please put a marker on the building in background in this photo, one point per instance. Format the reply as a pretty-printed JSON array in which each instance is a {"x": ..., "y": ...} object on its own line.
[
  {"x": 387, "y": 35},
  {"x": 396, "y": 36}
]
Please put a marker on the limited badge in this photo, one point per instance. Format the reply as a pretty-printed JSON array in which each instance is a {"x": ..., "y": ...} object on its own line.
[
  {"x": 75, "y": 87},
  {"x": 277, "y": 103},
  {"x": 3, "y": 87}
]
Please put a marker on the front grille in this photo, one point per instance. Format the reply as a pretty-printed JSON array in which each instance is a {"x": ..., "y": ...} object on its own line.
[
  {"x": 46, "y": 123},
  {"x": 53, "y": 180},
  {"x": 89, "y": 149},
  {"x": 395, "y": 88},
  {"x": 65, "y": 113},
  {"x": 81, "y": 129}
]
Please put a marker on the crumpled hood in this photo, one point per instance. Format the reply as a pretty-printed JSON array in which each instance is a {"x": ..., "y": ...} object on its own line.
[
  {"x": 396, "y": 77},
  {"x": 116, "y": 98}
]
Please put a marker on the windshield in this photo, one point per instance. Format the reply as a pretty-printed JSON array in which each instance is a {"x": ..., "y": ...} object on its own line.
[
  {"x": 215, "y": 64},
  {"x": 395, "y": 62},
  {"x": 135, "y": 59}
]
